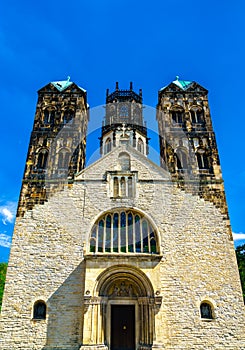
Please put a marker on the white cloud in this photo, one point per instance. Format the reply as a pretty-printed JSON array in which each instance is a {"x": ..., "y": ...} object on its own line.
[
  {"x": 5, "y": 240},
  {"x": 7, "y": 212},
  {"x": 238, "y": 236},
  {"x": 7, "y": 215}
]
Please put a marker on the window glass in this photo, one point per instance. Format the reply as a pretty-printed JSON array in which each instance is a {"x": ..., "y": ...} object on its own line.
[
  {"x": 123, "y": 232},
  {"x": 39, "y": 311},
  {"x": 206, "y": 311}
]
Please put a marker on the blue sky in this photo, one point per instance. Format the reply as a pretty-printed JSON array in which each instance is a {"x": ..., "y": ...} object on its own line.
[{"x": 100, "y": 42}]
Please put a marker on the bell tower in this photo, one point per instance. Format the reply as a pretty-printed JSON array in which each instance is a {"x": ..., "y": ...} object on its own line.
[
  {"x": 188, "y": 147},
  {"x": 124, "y": 121},
  {"x": 57, "y": 144}
]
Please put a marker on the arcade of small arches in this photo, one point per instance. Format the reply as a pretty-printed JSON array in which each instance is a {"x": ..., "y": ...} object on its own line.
[
  {"x": 196, "y": 114},
  {"x": 140, "y": 146},
  {"x": 121, "y": 189},
  {"x": 123, "y": 186},
  {"x": 63, "y": 159},
  {"x": 50, "y": 115},
  {"x": 184, "y": 151},
  {"x": 183, "y": 162},
  {"x": 120, "y": 112},
  {"x": 123, "y": 231}
]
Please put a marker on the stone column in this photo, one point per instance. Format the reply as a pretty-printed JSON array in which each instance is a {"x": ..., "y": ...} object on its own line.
[
  {"x": 156, "y": 304},
  {"x": 94, "y": 321},
  {"x": 126, "y": 186},
  {"x": 87, "y": 320},
  {"x": 144, "y": 320}
]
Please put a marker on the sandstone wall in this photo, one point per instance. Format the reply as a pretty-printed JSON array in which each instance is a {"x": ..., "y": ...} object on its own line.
[{"x": 198, "y": 263}]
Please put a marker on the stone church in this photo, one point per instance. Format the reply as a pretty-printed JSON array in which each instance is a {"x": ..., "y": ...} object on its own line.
[{"x": 122, "y": 254}]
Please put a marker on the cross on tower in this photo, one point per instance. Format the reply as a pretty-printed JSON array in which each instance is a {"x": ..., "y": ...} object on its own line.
[{"x": 123, "y": 129}]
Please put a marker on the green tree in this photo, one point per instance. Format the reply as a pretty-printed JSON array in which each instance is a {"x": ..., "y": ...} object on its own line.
[
  {"x": 3, "y": 270},
  {"x": 240, "y": 254}
]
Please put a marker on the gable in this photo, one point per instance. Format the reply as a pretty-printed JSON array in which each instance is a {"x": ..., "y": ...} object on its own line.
[
  {"x": 62, "y": 86},
  {"x": 196, "y": 87},
  {"x": 145, "y": 168},
  {"x": 170, "y": 88},
  {"x": 183, "y": 86}
]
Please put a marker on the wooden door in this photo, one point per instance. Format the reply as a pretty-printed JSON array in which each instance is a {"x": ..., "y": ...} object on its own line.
[{"x": 122, "y": 327}]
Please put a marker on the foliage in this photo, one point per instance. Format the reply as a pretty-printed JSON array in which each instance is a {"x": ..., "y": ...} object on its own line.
[
  {"x": 240, "y": 254},
  {"x": 3, "y": 270}
]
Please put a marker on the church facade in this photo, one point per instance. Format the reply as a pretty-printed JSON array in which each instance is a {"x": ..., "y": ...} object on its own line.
[{"x": 122, "y": 254}]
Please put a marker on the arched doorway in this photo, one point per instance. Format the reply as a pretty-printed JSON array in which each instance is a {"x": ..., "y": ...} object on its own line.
[{"x": 127, "y": 305}]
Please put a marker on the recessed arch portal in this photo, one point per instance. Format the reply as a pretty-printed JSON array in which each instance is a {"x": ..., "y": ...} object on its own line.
[
  {"x": 123, "y": 295},
  {"x": 123, "y": 273}
]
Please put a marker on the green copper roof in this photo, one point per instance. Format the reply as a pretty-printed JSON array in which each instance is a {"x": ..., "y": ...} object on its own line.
[
  {"x": 183, "y": 84},
  {"x": 63, "y": 84}
]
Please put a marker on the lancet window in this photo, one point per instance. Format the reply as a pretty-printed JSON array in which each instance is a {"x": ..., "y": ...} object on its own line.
[
  {"x": 123, "y": 111},
  {"x": 123, "y": 231},
  {"x": 182, "y": 159},
  {"x": 64, "y": 159},
  {"x": 42, "y": 159},
  {"x": 68, "y": 116},
  {"x": 123, "y": 186},
  {"x": 124, "y": 161},
  {"x": 49, "y": 115},
  {"x": 140, "y": 145},
  {"x": 202, "y": 160},
  {"x": 107, "y": 147}
]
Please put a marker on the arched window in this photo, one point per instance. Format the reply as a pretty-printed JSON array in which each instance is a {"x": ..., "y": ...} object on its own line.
[
  {"x": 123, "y": 231},
  {"x": 68, "y": 116},
  {"x": 130, "y": 187},
  {"x": 115, "y": 187},
  {"x": 49, "y": 115},
  {"x": 107, "y": 148},
  {"x": 61, "y": 160},
  {"x": 140, "y": 145},
  {"x": 39, "y": 310},
  {"x": 196, "y": 115},
  {"x": 182, "y": 159},
  {"x": 64, "y": 159},
  {"x": 123, "y": 112},
  {"x": 42, "y": 159},
  {"x": 93, "y": 240},
  {"x": 202, "y": 160},
  {"x": 124, "y": 161},
  {"x": 123, "y": 187},
  {"x": 177, "y": 115},
  {"x": 206, "y": 311}
]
